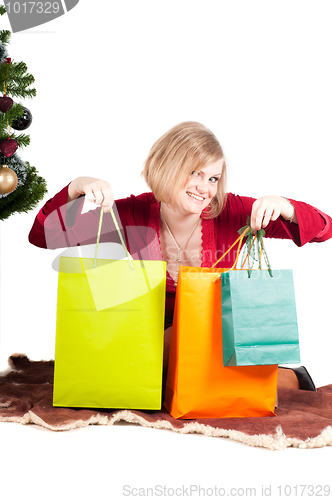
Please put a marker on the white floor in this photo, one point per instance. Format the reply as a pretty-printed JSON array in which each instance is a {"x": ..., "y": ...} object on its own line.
[{"x": 117, "y": 461}]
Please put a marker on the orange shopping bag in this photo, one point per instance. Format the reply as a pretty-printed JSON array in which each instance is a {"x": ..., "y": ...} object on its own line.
[{"x": 198, "y": 385}]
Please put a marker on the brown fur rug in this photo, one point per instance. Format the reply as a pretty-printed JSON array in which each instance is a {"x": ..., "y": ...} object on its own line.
[{"x": 303, "y": 420}]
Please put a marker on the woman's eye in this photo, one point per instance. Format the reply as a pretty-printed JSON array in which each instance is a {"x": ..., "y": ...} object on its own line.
[{"x": 214, "y": 179}]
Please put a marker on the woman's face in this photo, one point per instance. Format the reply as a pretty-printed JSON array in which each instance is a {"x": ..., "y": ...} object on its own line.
[{"x": 201, "y": 188}]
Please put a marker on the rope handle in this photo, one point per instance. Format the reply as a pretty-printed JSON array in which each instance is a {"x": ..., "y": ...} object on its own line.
[
  {"x": 239, "y": 241},
  {"x": 256, "y": 245},
  {"x": 130, "y": 259},
  {"x": 251, "y": 243}
]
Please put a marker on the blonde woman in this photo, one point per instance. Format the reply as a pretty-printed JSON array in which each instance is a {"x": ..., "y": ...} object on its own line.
[{"x": 189, "y": 210}]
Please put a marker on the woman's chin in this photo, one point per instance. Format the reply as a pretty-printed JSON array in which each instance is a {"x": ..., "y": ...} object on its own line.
[{"x": 194, "y": 208}]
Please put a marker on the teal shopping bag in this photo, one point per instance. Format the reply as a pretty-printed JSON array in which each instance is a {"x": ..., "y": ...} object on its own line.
[{"x": 259, "y": 320}]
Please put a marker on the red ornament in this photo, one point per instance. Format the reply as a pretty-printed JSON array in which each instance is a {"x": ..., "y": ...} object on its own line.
[
  {"x": 8, "y": 146},
  {"x": 5, "y": 103}
]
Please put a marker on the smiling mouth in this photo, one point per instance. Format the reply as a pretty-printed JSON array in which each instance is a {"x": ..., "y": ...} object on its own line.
[{"x": 195, "y": 196}]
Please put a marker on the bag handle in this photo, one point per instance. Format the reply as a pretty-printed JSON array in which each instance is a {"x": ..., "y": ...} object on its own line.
[
  {"x": 239, "y": 241},
  {"x": 130, "y": 259},
  {"x": 254, "y": 244},
  {"x": 255, "y": 251}
]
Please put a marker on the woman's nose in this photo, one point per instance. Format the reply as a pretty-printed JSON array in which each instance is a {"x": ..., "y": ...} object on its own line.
[{"x": 202, "y": 185}]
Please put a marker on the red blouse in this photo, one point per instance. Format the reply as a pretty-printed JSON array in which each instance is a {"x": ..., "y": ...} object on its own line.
[{"x": 59, "y": 225}]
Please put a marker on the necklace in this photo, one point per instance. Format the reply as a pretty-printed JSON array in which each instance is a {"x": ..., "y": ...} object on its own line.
[{"x": 178, "y": 247}]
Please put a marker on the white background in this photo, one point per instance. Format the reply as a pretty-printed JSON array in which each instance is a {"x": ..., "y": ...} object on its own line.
[{"x": 110, "y": 80}]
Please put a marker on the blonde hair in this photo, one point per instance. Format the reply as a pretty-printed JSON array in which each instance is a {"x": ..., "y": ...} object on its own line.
[{"x": 187, "y": 147}]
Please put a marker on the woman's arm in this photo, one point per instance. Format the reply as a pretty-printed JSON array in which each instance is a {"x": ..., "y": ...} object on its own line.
[
  {"x": 60, "y": 223},
  {"x": 309, "y": 224},
  {"x": 283, "y": 218}
]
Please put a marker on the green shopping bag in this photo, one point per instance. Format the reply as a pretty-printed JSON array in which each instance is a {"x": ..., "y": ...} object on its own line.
[
  {"x": 111, "y": 357},
  {"x": 144, "y": 276},
  {"x": 259, "y": 320}
]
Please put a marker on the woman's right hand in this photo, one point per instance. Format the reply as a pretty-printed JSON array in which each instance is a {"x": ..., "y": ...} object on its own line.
[{"x": 96, "y": 190}]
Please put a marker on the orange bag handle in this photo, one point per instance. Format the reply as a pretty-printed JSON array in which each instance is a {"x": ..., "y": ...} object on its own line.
[{"x": 239, "y": 241}]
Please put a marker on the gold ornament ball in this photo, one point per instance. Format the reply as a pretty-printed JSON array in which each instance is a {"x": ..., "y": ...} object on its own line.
[{"x": 8, "y": 180}]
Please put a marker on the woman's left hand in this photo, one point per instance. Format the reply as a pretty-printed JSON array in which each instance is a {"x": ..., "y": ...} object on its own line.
[{"x": 269, "y": 208}]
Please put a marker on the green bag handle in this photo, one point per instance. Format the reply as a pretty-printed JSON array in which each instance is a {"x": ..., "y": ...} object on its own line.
[
  {"x": 130, "y": 260},
  {"x": 255, "y": 248},
  {"x": 254, "y": 244}
]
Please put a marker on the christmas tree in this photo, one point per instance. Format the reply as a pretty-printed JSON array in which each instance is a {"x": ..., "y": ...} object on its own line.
[{"x": 20, "y": 186}]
